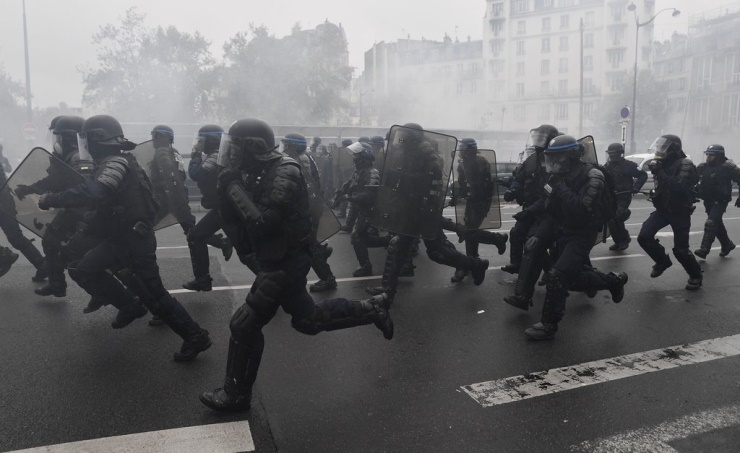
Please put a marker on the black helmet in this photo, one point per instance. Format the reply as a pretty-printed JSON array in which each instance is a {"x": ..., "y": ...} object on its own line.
[
  {"x": 65, "y": 133},
  {"x": 667, "y": 147},
  {"x": 296, "y": 142},
  {"x": 615, "y": 152},
  {"x": 208, "y": 138},
  {"x": 162, "y": 131},
  {"x": 468, "y": 143},
  {"x": 561, "y": 150},
  {"x": 715, "y": 150},
  {"x": 346, "y": 142},
  {"x": 101, "y": 136},
  {"x": 364, "y": 139},
  {"x": 249, "y": 142},
  {"x": 411, "y": 134},
  {"x": 54, "y": 122},
  {"x": 377, "y": 139},
  {"x": 541, "y": 136},
  {"x": 316, "y": 140}
]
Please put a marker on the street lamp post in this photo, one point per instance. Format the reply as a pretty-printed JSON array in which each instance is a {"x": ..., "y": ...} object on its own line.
[{"x": 633, "y": 8}]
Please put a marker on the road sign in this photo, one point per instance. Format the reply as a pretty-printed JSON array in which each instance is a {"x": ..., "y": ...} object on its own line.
[
  {"x": 29, "y": 131},
  {"x": 625, "y": 113}
]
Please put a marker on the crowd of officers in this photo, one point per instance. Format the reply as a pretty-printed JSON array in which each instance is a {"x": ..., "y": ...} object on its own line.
[{"x": 271, "y": 207}]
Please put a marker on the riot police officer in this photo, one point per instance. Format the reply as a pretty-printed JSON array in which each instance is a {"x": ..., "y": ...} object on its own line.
[
  {"x": 476, "y": 185},
  {"x": 4, "y": 162},
  {"x": 344, "y": 171},
  {"x": 271, "y": 203},
  {"x": 628, "y": 180},
  {"x": 365, "y": 182},
  {"x": 526, "y": 188},
  {"x": 125, "y": 207},
  {"x": 168, "y": 177},
  {"x": 205, "y": 173},
  {"x": 64, "y": 226},
  {"x": 715, "y": 188},
  {"x": 294, "y": 145},
  {"x": 675, "y": 177},
  {"x": 574, "y": 200}
]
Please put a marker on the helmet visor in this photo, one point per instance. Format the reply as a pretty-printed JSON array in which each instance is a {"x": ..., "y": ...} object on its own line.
[
  {"x": 614, "y": 156},
  {"x": 538, "y": 138},
  {"x": 56, "y": 144},
  {"x": 660, "y": 147},
  {"x": 83, "y": 147},
  {"x": 557, "y": 163},
  {"x": 230, "y": 153}
]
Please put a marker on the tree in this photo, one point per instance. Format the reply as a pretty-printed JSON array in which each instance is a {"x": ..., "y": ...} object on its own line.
[
  {"x": 12, "y": 115},
  {"x": 150, "y": 74},
  {"x": 652, "y": 110},
  {"x": 299, "y": 79}
]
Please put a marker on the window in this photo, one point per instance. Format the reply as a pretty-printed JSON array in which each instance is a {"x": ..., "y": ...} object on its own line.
[
  {"x": 497, "y": 28},
  {"x": 497, "y": 46},
  {"x": 588, "y": 109},
  {"x": 521, "y": 27},
  {"x": 520, "y": 68},
  {"x": 497, "y": 9},
  {"x": 545, "y": 45},
  {"x": 546, "y": 24},
  {"x": 588, "y": 86},
  {"x": 544, "y": 112},
  {"x": 563, "y": 65},
  {"x": 473, "y": 87},
  {"x": 589, "y": 20},
  {"x": 617, "y": 9},
  {"x": 563, "y": 43},
  {"x": 615, "y": 58},
  {"x": 564, "y": 22},
  {"x": 615, "y": 81},
  {"x": 588, "y": 63},
  {"x": 545, "y": 67},
  {"x": 545, "y": 88},
  {"x": 519, "y": 6},
  {"x": 561, "y": 112},
  {"x": 520, "y": 113},
  {"x": 563, "y": 87},
  {"x": 496, "y": 67},
  {"x": 474, "y": 69},
  {"x": 588, "y": 40},
  {"x": 520, "y": 47},
  {"x": 520, "y": 90}
]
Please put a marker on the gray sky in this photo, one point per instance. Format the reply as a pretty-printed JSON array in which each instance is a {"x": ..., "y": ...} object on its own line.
[{"x": 60, "y": 31}]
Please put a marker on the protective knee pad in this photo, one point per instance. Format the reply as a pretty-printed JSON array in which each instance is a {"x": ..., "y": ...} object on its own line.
[
  {"x": 710, "y": 224},
  {"x": 681, "y": 254},
  {"x": 354, "y": 238},
  {"x": 532, "y": 245},
  {"x": 556, "y": 283},
  {"x": 644, "y": 240},
  {"x": 245, "y": 323},
  {"x": 266, "y": 289},
  {"x": 393, "y": 246}
]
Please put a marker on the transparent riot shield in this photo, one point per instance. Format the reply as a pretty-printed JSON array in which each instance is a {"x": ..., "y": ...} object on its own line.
[
  {"x": 475, "y": 192},
  {"x": 413, "y": 184},
  {"x": 379, "y": 151},
  {"x": 38, "y": 174},
  {"x": 589, "y": 153},
  {"x": 145, "y": 153},
  {"x": 343, "y": 166},
  {"x": 323, "y": 220}
]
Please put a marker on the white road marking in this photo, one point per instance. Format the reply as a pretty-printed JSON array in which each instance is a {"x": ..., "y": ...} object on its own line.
[
  {"x": 656, "y": 439},
  {"x": 217, "y": 438},
  {"x": 518, "y": 388}
]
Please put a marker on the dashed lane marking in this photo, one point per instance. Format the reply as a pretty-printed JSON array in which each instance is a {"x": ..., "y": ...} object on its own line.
[
  {"x": 658, "y": 438},
  {"x": 217, "y": 438},
  {"x": 532, "y": 385}
]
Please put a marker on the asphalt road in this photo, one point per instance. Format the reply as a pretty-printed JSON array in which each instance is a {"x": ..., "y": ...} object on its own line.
[{"x": 646, "y": 379}]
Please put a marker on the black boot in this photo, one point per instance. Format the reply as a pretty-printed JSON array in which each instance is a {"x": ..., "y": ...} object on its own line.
[
  {"x": 710, "y": 233},
  {"x": 479, "y": 271},
  {"x": 93, "y": 305},
  {"x": 726, "y": 249},
  {"x": 7, "y": 258},
  {"x": 660, "y": 267},
  {"x": 199, "y": 284},
  {"x": 324, "y": 285},
  {"x": 512, "y": 268},
  {"x": 519, "y": 301},
  {"x": 227, "y": 248},
  {"x": 619, "y": 246},
  {"x": 196, "y": 342},
  {"x": 691, "y": 266},
  {"x": 242, "y": 364},
  {"x": 616, "y": 285},
  {"x": 542, "y": 331},
  {"x": 128, "y": 314},
  {"x": 33, "y": 255},
  {"x": 52, "y": 289},
  {"x": 552, "y": 309},
  {"x": 459, "y": 276},
  {"x": 365, "y": 270}
]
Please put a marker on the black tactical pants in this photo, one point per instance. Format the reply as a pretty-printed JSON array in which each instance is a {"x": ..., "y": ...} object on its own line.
[
  {"x": 680, "y": 223},
  {"x": 475, "y": 214},
  {"x": 61, "y": 229},
  {"x": 616, "y": 226},
  {"x": 517, "y": 237},
  {"x": 572, "y": 271},
  {"x": 283, "y": 285},
  {"x": 203, "y": 234},
  {"x": 366, "y": 236},
  {"x": 18, "y": 241},
  {"x": 541, "y": 236},
  {"x": 137, "y": 253},
  {"x": 714, "y": 227}
]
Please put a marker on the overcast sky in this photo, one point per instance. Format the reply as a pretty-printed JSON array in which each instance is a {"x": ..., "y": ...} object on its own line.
[{"x": 60, "y": 31}]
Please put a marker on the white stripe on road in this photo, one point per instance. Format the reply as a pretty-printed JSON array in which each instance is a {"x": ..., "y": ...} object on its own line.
[
  {"x": 656, "y": 439},
  {"x": 217, "y": 438},
  {"x": 518, "y": 388}
]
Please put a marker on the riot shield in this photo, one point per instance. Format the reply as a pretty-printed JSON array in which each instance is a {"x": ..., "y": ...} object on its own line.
[
  {"x": 379, "y": 151},
  {"x": 343, "y": 165},
  {"x": 144, "y": 153},
  {"x": 413, "y": 184},
  {"x": 589, "y": 152},
  {"x": 476, "y": 194},
  {"x": 39, "y": 173},
  {"x": 323, "y": 220}
]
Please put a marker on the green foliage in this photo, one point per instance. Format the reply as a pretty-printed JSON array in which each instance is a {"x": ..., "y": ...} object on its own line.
[{"x": 12, "y": 114}]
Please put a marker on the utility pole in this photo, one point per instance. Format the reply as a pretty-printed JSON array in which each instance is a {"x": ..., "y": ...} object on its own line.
[{"x": 29, "y": 106}]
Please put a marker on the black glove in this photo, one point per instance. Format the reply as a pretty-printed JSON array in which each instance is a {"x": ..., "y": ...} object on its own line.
[
  {"x": 48, "y": 201},
  {"x": 737, "y": 202},
  {"x": 522, "y": 215},
  {"x": 555, "y": 179},
  {"x": 227, "y": 176},
  {"x": 509, "y": 195},
  {"x": 22, "y": 190},
  {"x": 655, "y": 166},
  {"x": 196, "y": 154}
]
